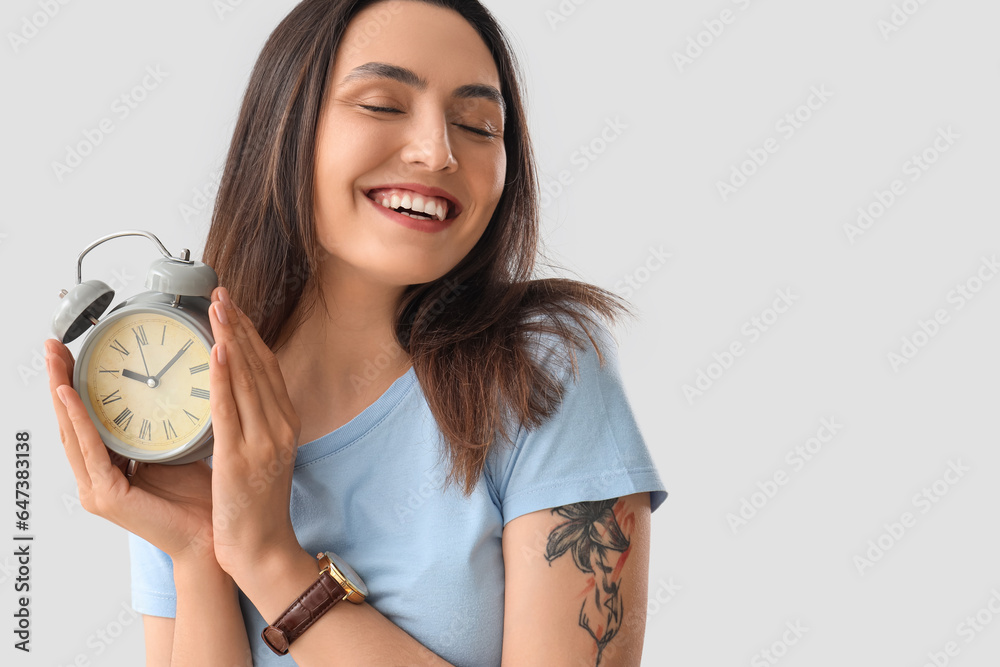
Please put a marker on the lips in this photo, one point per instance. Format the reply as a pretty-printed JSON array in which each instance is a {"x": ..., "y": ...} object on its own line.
[{"x": 454, "y": 206}]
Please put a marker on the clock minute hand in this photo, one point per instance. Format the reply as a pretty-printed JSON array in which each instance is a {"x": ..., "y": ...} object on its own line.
[
  {"x": 138, "y": 341},
  {"x": 172, "y": 361}
]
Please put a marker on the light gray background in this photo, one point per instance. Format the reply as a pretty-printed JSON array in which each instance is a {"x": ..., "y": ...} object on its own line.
[{"x": 717, "y": 597}]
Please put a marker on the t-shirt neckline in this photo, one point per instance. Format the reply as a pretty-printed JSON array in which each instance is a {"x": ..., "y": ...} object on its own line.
[{"x": 363, "y": 422}]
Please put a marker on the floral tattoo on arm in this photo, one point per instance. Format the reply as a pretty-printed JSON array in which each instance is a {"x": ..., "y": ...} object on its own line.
[{"x": 590, "y": 532}]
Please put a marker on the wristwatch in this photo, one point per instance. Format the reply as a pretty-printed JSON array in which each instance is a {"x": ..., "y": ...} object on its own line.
[{"x": 337, "y": 581}]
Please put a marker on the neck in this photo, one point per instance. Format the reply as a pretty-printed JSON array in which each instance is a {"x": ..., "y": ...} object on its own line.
[{"x": 344, "y": 351}]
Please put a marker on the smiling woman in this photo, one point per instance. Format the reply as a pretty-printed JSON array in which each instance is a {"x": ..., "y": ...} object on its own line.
[{"x": 379, "y": 337}]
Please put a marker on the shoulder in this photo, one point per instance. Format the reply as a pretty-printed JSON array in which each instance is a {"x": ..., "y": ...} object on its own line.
[
  {"x": 589, "y": 447},
  {"x": 561, "y": 342}
]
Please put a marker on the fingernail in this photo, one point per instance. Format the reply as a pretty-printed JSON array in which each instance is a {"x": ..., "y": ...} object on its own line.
[
  {"x": 221, "y": 314},
  {"x": 224, "y": 297},
  {"x": 61, "y": 393},
  {"x": 220, "y": 352}
]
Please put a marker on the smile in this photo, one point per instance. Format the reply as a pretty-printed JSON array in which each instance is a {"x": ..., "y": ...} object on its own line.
[{"x": 416, "y": 201}]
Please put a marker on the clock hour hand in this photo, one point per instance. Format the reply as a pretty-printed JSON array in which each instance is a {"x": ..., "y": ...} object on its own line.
[
  {"x": 132, "y": 375},
  {"x": 172, "y": 361}
]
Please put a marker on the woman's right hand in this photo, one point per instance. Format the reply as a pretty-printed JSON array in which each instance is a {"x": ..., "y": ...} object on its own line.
[{"x": 169, "y": 506}]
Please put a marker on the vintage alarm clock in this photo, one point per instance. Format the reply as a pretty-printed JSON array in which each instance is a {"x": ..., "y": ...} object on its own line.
[{"x": 143, "y": 370}]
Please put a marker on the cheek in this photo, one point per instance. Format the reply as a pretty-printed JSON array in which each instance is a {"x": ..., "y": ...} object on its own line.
[
  {"x": 339, "y": 162},
  {"x": 493, "y": 186}
]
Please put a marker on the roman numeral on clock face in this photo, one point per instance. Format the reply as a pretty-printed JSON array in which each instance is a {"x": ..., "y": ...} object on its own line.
[
  {"x": 141, "y": 335},
  {"x": 111, "y": 398},
  {"x": 145, "y": 430},
  {"x": 114, "y": 373},
  {"x": 119, "y": 348},
  {"x": 123, "y": 419},
  {"x": 200, "y": 368},
  {"x": 168, "y": 429},
  {"x": 194, "y": 420}
]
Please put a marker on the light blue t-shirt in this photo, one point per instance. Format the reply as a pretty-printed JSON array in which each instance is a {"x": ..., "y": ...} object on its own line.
[{"x": 370, "y": 491}]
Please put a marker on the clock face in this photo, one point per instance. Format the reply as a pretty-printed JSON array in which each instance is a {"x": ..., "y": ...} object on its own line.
[{"x": 148, "y": 381}]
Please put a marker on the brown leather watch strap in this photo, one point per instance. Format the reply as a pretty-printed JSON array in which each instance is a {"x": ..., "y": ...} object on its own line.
[{"x": 302, "y": 613}]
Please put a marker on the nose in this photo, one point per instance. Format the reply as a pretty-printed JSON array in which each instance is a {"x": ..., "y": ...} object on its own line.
[{"x": 429, "y": 145}]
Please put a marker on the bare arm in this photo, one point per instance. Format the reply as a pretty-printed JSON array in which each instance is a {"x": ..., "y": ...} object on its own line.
[
  {"x": 576, "y": 584},
  {"x": 209, "y": 627},
  {"x": 159, "y": 637}
]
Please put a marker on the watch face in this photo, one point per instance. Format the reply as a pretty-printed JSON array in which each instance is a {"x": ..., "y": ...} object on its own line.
[
  {"x": 147, "y": 379},
  {"x": 348, "y": 572}
]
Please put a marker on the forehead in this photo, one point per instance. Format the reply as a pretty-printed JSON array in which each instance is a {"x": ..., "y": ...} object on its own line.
[{"x": 437, "y": 43}]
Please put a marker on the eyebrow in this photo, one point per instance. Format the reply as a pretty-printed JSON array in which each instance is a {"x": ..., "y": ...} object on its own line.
[{"x": 375, "y": 70}]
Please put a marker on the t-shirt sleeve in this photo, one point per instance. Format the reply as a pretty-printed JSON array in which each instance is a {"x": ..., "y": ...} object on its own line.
[
  {"x": 153, "y": 590},
  {"x": 589, "y": 449}
]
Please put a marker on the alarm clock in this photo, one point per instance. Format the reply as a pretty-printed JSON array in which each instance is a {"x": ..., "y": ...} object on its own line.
[{"x": 142, "y": 372}]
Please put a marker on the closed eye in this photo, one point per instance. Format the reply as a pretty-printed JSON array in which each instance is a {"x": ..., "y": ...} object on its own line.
[{"x": 475, "y": 130}]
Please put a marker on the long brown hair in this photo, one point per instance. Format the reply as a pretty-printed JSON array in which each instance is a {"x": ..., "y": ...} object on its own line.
[{"x": 469, "y": 333}]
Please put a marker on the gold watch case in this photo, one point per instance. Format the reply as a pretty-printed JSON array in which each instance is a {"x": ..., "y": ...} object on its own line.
[{"x": 344, "y": 575}]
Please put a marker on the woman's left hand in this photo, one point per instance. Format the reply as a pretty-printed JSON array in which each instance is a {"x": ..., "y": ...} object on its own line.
[{"x": 256, "y": 439}]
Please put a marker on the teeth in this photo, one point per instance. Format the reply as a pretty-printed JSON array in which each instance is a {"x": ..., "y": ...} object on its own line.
[{"x": 432, "y": 206}]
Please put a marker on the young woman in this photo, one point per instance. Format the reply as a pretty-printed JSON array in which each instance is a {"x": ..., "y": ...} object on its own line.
[{"x": 367, "y": 359}]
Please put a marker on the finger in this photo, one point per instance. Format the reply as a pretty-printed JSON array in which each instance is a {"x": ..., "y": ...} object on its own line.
[
  {"x": 251, "y": 386},
  {"x": 60, "y": 353},
  {"x": 54, "y": 347},
  {"x": 104, "y": 476},
  {"x": 270, "y": 363},
  {"x": 226, "y": 424},
  {"x": 239, "y": 397},
  {"x": 67, "y": 433},
  {"x": 245, "y": 333}
]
